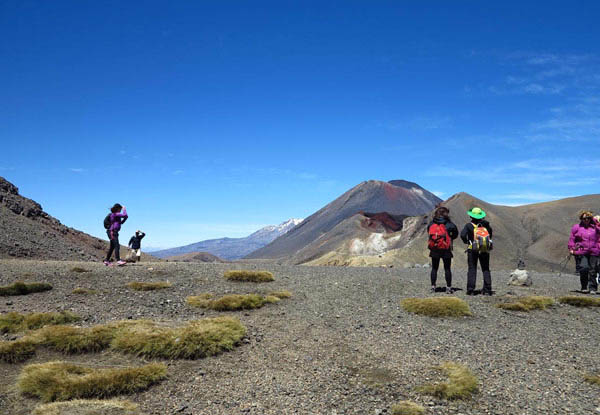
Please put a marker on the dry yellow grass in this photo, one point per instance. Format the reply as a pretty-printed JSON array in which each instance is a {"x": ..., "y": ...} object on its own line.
[
  {"x": 529, "y": 303},
  {"x": 280, "y": 294},
  {"x": 16, "y": 322},
  {"x": 88, "y": 407},
  {"x": 437, "y": 306},
  {"x": 579, "y": 301},
  {"x": 59, "y": 381},
  {"x": 67, "y": 339},
  {"x": 22, "y": 288},
  {"x": 462, "y": 384},
  {"x": 594, "y": 379},
  {"x": 80, "y": 290},
  {"x": 407, "y": 408},
  {"x": 17, "y": 350},
  {"x": 252, "y": 276},
  {"x": 229, "y": 302},
  {"x": 148, "y": 286}
]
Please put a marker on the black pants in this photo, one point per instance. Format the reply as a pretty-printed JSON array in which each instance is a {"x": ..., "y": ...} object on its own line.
[
  {"x": 435, "y": 264},
  {"x": 484, "y": 260},
  {"x": 588, "y": 268},
  {"x": 113, "y": 236}
]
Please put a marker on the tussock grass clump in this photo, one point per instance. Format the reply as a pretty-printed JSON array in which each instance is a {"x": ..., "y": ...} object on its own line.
[
  {"x": 407, "y": 408},
  {"x": 462, "y": 383},
  {"x": 198, "y": 339},
  {"x": 437, "y": 306},
  {"x": 54, "y": 381},
  {"x": 281, "y": 294},
  {"x": 579, "y": 301},
  {"x": 251, "y": 276},
  {"x": 80, "y": 290},
  {"x": 529, "y": 303},
  {"x": 67, "y": 339},
  {"x": 148, "y": 286},
  {"x": 22, "y": 288},
  {"x": 18, "y": 350},
  {"x": 16, "y": 322},
  {"x": 229, "y": 302},
  {"x": 594, "y": 379},
  {"x": 79, "y": 269},
  {"x": 88, "y": 407}
]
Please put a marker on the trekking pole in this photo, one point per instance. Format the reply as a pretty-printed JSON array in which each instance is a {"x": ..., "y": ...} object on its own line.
[{"x": 566, "y": 261}]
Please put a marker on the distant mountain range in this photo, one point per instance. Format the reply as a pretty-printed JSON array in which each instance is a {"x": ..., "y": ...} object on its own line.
[{"x": 232, "y": 248}]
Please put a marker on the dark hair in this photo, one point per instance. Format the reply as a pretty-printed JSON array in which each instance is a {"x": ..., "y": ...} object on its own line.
[
  {"x": 441, "y": 211},
  {"x": 116, "y": 208}
]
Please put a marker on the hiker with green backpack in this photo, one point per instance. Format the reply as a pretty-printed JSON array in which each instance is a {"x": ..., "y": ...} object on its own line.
[
  {"x": 441, "y": 233},
  {"x": 478, "y": 236}
]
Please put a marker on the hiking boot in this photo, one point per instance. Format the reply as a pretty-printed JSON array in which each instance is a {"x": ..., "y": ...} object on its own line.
[
  {"x": 121, "y": 262},
  {"x": 593, "y": 292},
  {"x": 433, "y": 289},
  {"x": 486, "y": 292},
  {"x": 449, "y": 290},
  {"x": 470, "y": 292},
  {"x": 107, "y": 263},
  {"x": 585, "y": 291}
]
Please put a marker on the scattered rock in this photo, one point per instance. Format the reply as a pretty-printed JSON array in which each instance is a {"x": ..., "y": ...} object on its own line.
[{"x": 520, "y": 277}]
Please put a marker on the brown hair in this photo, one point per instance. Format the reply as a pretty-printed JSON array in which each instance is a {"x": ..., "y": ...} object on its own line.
[
  {"x": 585, "y": 214},
  {"x": 441, "y": 211}
]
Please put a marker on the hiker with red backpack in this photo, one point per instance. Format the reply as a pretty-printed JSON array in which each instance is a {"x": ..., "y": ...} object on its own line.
[
  {"x": 441, "y": 232},
  {"x": 584, "y": 244},
  {"x": 478, "y": 236},
  {"x": 112, "y": 224}
]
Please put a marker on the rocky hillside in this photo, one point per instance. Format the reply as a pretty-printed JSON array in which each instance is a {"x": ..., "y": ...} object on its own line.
[
  {"x": 535, "y": 233},
  {"x": 29, "y": 232},
  {"x": 397, "y": 197},
  {"x": 232, "y": 248},
  {"x": 195, "y": 257}
]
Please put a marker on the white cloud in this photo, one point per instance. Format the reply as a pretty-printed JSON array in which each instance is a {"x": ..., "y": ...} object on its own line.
[{"x": 438, "y": 193}]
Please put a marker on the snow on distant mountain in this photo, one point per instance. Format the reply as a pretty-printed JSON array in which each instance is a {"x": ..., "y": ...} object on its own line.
[{"x": 233, "y": 248}]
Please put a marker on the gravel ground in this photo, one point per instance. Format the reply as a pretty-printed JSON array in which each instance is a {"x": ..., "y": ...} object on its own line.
[{"x": 340, "y": 345}]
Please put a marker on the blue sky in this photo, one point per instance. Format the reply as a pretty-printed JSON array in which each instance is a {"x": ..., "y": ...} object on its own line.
[{"x": 214, "y": 118}]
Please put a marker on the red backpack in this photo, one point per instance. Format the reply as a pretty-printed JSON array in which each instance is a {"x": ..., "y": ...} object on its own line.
[{"x": 438, "y": 237}]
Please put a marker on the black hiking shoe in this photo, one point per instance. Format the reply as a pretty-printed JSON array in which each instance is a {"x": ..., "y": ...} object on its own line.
[
  {"x": 449, "y": 290},
  {"x": 470, "y": 292},
  {"x": 433, "y": 289},
  {"x": 486, "y": 292}
]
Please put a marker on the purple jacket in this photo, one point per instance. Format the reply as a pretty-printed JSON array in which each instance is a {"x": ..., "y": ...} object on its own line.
[
  {"x": 584, "y": 240},
  {"x": 115, "y": 220}
]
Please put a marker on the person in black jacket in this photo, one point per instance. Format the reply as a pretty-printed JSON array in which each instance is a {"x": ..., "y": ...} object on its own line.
[
  {"x": 440, "y": 217},
  {"x": 135, "y": 244},
  {"x": 475, "y": 254}
]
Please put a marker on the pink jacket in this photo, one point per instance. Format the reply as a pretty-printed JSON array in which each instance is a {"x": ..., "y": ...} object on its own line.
[{"x": 584, "y": 240}]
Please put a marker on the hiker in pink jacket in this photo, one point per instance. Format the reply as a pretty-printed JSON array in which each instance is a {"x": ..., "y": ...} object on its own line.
[{"x": 584, "y": 243}]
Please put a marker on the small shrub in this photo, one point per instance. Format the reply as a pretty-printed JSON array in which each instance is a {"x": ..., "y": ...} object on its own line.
[
  {"x": 198, "y": 339},
  {"x": 462, "y": 384},
  {"x": 594, "y": 379},
  {"x": 407, "y": 408},
  {"x": 148, "y": 286},
  {"x": 229, "y": 302},
  {"x": 66, "y": 339},
  {"x": 88, "y": 407},
  {"x": 17, "y": 350},
  {"x": 16, "y": 322},
  {"x": 579, "y": 301},
  {"x": 80, "y": 290},
  {"x": 437, "y": 306},
  {"x": 533, "y": 302},
  {"x": 281, "y": 294},
  {"x": 79, "y": 269},
  {"x": 271, "y": 299},
  {"x": 54, "y": 381},
  {"x": 251, "y": 276},
  {"x": 21, "y": 288}
]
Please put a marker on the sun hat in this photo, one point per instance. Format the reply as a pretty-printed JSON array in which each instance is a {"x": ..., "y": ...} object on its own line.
[{"x": 476, "y": 213}]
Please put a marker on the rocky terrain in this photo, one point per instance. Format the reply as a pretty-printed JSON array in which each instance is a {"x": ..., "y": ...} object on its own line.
[
  {"x": 195, "y": 257},
  {"x": 341, "y": 345}
]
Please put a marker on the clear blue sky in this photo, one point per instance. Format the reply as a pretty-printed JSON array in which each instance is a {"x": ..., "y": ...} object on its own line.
[{"x": 213, "y": 118}]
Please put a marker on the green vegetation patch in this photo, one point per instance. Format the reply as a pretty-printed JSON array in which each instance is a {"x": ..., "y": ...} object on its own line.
[
  {"x": 16, "y": 322},
  {"x": 533, "y": 302},
  {"x": 229, "y": 302},
  {"x": 68, "y": 339},
  {"x": 251, "y": 276},
  {"x": 17, "y": 350},
  {"x": 148, "y": 286},
  {"x": 594, "y": 379},
  {"x": 580, "y": 301},
  {"x": 280, "y": 294},
  {"x": 462, "y": 383},
  {"x": 437, "y": 306},
  {"x": 88, "y": 407},
  {"x": 407, "y": 408},
  {"x": 79, "y": 269},
  {"x": 80, "y": 290},
  {"x": 59, "y": 381},
  {"x": 22, "y": 288},
  {"x": 197, "y": 339}
]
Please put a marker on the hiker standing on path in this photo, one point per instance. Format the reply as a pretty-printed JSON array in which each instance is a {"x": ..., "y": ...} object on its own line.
[
  {"x": 584, "y": 244},
  {"x": 112, "y": 224},
  {"x": 441, "y": 232},
  {"x": 478, "y": 235},
  {"x": 135, "y": 244}
]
